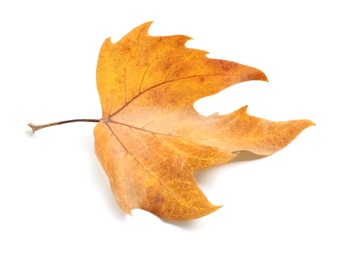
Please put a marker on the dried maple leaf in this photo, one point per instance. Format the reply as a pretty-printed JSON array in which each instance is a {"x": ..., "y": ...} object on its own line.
[{"x": 150, "y": 139}]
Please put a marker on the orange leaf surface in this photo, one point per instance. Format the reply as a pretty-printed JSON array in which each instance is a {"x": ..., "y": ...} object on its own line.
[{"x": 151, "y": 140}]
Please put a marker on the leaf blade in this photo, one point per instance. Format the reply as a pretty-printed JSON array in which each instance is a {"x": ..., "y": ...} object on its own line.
[{"x": 151, "y": 140}]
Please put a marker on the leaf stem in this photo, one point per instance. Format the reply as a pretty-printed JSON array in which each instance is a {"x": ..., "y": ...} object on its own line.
[{"x": 37, "y": 127}]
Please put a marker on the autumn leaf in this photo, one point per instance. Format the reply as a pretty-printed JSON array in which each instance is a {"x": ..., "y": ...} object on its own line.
[{"x": 150, "y": 139}]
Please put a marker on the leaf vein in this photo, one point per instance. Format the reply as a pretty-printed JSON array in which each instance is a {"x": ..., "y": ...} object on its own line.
[
  {"x": 173, "y": 194},
  {"x": 166, "y": 82}
]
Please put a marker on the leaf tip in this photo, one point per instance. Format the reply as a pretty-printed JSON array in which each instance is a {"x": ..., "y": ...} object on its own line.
[
  {"x": 146, "y": 26},
  {"x": 264, "y": 77},
  {"x": 307, "y": 123},
  {"x": 217, "y": 207}
]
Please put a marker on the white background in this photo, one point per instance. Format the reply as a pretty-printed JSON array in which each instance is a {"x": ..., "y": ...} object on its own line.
[{"x": 55, "y": 200}]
